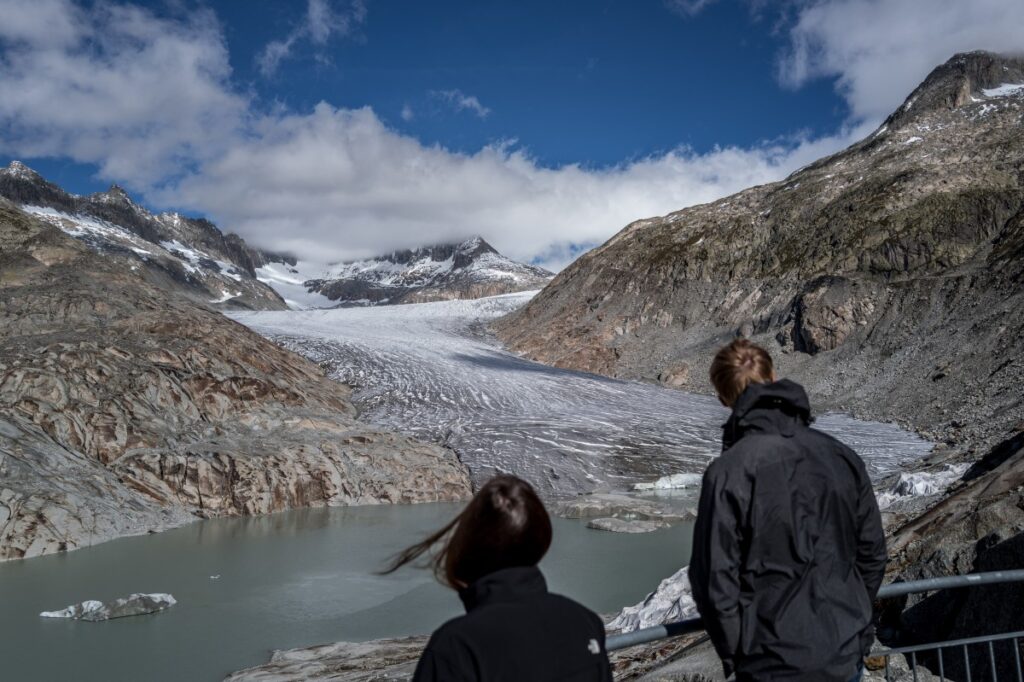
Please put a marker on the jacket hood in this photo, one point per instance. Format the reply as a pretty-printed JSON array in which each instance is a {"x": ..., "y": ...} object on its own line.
[
  {"x": 778, "y": 407},
  {"x": 508, "y": 584}
]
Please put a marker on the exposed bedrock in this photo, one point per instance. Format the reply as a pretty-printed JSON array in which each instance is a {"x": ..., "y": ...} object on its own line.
[{"x": 125, "y": 409}]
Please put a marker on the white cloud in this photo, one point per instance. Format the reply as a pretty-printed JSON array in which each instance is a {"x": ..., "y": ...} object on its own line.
[
  {"x": 320, "y": 22},
  {"x": 879, "y": 50},
  {"x": 40, "y": 23},
  {"x": 151, "y": 102},
  {"x": 142, "y": 97},
  {"x": 340, "y": 184},
  {"x": 407, "y": 113},
  {"x": 460, "y": 101}
]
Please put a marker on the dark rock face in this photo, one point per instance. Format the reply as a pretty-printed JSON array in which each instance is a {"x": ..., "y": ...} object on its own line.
[
  {"x": 124, "y": 408},
  {"x": 470, "y": 269},
  {"x": 864, "y": 272},
  {"x": 189, "y": 254},
  {"x": 828, "y": 311}
]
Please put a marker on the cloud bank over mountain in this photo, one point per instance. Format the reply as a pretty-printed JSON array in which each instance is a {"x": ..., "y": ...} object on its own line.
[{"x": 150, "y": 99}]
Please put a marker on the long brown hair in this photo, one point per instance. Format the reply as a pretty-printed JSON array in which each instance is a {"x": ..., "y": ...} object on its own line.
[{"x": 504, "y": 525}]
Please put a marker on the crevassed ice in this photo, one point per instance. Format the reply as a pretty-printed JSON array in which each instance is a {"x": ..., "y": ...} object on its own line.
[{"x": 432, "y": 370}]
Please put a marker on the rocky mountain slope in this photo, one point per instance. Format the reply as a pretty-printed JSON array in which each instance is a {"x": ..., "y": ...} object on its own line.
[
  {"x": 470, "y": 269},
  {"x": 189, "y": 255},
  {"x": 887, "y": 277},
  {"x": 125, "y": 409}
]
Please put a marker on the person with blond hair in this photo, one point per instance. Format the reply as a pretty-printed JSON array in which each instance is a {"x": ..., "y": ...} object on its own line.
[{"x": 788, "y": 548}]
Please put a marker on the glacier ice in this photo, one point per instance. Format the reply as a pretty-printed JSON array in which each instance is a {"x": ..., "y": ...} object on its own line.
[
  {"x": 132, "y": 605},
  {"x": 433, "y": 371}
]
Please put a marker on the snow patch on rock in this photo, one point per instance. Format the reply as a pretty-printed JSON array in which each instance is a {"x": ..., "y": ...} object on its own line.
[
  {"x": 287, "y": 280},
  {"x": 1004, "y": 90}
]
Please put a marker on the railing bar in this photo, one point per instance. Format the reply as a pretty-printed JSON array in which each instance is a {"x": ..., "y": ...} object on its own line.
[
  {"x": 651, "y": 634},
  {"x": 942, "y": 669},
  {"x": 913, "y": 664},
  {"x": 992, "y": 660},
  {"x": 967, "y": 664},
  {"x": 946, "y": 582},
  {"x": 956, "y": 642},
  {"x": 888, "y": 678},
  {"x": 1016, "y": 655}
]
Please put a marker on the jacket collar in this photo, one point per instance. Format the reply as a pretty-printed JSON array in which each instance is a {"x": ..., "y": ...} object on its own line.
[
  {"x": 778, "y": 407},
  {"x": 508, "y": 584}
]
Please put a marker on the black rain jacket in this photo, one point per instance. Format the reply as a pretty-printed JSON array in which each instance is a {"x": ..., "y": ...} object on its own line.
[
  {"x": 515, "y": 630},
  {"x": 788, "y": 549}
]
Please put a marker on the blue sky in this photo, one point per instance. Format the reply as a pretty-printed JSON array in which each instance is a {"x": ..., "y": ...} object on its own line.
[
  {"x": 597, "y": 82},
  {"x": 336, "y": 128},
  {"x": 576, "y": 81}
]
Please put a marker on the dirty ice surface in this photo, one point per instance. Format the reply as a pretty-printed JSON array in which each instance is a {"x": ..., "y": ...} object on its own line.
[{"x": 433, "y": 371}]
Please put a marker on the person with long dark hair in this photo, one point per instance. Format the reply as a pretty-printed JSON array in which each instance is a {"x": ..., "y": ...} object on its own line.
[{"x": 514, "y": 629}]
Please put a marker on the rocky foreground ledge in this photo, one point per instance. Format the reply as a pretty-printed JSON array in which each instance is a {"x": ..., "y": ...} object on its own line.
[{"x": 126, "y": 409}]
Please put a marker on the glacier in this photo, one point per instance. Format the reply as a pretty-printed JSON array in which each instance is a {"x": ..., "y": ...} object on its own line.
[{"x": 433, "y": 371}]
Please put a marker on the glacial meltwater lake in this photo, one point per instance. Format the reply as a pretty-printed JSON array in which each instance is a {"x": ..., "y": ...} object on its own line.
[
  {"x": 285, "y": 580},
  {"x": 247, "y": 586}
]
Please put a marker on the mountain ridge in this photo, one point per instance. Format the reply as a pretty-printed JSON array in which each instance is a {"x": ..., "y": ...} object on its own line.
[
  {"x": 222, "y": 270},
  {"x": 187, "y": 254},
  {"x": 471, "y": 268},
  {"x": 810, "y": 263}
]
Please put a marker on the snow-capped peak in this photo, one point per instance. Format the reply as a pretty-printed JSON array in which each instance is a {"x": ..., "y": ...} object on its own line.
[
  {"x": 19, "y": 170},
  {"x": 468, "y": 269},
  {"x": 116, "y": 194}
]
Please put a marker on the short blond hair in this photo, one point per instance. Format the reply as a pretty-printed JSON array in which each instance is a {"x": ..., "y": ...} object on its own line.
[{"x": 738, "y": 365}]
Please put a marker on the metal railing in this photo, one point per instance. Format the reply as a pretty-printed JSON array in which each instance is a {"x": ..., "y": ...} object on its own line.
[
  {"x": 990, "y": 640},
  {"x": 889, "y": 591}
]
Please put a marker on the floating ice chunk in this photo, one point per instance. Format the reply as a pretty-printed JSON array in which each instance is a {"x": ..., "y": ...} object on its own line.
[
  {"x": 133, "y": 605},
  {"x": 672, "y": 482}
]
